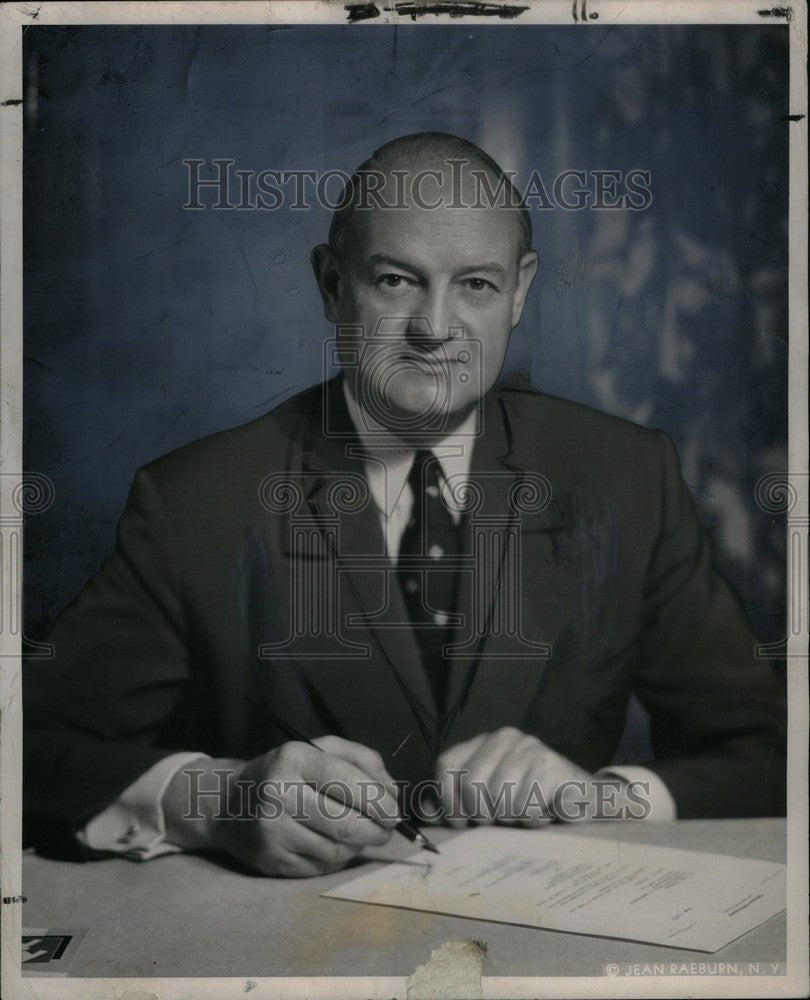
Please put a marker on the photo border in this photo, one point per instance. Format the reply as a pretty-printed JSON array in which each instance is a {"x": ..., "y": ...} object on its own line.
[{"x": 14, "y": 17}]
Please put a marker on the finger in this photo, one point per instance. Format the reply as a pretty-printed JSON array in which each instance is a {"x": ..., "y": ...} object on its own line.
[
  {"x": 366, "y": 758},
  {"x": 450, "y": 802},
  {"x": 532, "y": 799},
  {"x": 302, "y": 852},
  {"x": 456, "y": 755},
  {"x": 575, "y": 800},
  {"x": 493, "y": 770},
  {"x": 565, "y": 785},
  {"x": 338, "y": 821},
  {"x": 511, "y": 777},
  {"x": 292, "y": 866},
  {"x": 450, "y": 769},
  {"x": 425, "y": 804},
  {"x": 345, "y": 782},
  {"x": 324, "y": 852}
]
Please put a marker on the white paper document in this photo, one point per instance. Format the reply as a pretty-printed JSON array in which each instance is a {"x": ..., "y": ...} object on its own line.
[{"x": 557, "y": 881}]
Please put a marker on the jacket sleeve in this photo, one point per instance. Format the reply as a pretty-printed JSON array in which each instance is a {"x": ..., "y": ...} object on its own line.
[
  {"x": 717, "y": 711},
  {"x": 97, "y": 713}
]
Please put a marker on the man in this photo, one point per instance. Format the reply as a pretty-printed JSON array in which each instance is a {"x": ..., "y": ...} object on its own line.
[{"x": 426, "y": 575}]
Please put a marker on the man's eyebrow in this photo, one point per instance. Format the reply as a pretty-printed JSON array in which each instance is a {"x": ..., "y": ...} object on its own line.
[
  {"x": 487, "y": 268},
  {"x": 381, "y": 258},
  {"x": 495, "y": 269}
]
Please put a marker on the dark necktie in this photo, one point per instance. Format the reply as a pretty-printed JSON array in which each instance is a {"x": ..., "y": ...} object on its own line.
[{"x": 427, "y": 568}]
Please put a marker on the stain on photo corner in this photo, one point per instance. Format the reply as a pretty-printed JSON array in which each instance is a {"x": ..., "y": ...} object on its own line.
[{"x": 453, "y": 972}]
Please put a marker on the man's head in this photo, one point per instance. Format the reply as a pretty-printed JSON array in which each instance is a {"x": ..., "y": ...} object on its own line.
[{"x": 429, "y": 263}]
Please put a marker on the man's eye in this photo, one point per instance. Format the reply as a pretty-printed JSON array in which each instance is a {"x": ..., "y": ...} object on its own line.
[
  {"x": 478, "y": 284},
  {"x": 392, "y": 280}
]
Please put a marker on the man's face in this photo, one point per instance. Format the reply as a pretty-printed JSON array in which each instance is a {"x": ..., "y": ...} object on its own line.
[{"x": 435, "y": 295}]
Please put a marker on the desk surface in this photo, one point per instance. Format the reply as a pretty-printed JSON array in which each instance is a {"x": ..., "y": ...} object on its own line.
[{"x": 187, "y": 916}]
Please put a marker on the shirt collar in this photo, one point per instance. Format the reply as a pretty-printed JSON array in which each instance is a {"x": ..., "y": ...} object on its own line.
[{"x": 388, "y": 461}]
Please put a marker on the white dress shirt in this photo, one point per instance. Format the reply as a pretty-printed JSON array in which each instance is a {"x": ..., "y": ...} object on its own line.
[
  {"x": 388, "y": 465},
  {"x": 134, "y": 824}
]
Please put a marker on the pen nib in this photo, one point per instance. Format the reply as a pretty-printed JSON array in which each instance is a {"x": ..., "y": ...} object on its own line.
[{"x": 427, "y": 845}]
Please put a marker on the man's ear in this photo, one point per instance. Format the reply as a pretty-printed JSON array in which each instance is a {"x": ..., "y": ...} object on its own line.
[
  {"x": 527, "y": 269},
  {"x": 326, "y": 266}
]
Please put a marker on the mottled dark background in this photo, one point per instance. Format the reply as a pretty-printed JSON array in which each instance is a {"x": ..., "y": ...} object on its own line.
[{"x": 147, "y": 325}]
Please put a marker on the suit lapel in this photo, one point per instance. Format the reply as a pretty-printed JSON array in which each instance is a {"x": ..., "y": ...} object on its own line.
[
  {"x": 501, "y": 645},
  {"x": 369, "y": 599}
]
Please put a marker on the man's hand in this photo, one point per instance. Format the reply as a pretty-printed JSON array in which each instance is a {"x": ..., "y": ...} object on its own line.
[
  {"x": 510, "y": 777},
  {"x": 293, "y": 812}
]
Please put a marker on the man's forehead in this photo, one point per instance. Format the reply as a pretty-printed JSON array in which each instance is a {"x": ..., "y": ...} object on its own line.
[{"x": 460, "y": 234}]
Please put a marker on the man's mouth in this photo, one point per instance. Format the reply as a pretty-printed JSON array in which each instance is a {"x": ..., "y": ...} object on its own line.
[{"x": 427, "y": 360}]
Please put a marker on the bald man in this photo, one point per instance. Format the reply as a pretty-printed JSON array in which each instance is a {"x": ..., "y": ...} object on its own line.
[{"x": 403, "y": 592}]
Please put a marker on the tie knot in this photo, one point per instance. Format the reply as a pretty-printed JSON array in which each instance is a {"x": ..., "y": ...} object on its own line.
[{"x": 424, "y": 472}]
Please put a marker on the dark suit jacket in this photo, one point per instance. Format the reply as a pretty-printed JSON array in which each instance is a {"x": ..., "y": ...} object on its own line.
[{"x": 586, "y": 576}]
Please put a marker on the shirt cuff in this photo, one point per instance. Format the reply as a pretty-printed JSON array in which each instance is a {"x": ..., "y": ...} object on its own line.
[
  {"x": 650, "y": 789},
  {"x": 134, "y": 825}
]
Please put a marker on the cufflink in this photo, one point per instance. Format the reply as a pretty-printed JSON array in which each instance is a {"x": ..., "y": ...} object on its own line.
[{"x": 129, "y": 835}]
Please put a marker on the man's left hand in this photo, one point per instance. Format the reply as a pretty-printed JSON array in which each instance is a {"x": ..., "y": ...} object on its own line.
[{"x": 510, "y": 777}]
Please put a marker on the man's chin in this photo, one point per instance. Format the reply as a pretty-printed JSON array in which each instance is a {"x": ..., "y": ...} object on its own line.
[{"x": 408, "y": 418}]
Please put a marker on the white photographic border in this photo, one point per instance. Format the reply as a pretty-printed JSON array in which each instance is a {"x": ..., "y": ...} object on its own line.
[{"x": 14, "y": 17}]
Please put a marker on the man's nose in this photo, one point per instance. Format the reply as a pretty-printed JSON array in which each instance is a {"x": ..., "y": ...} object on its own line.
[{"x": 431, "y": 325}]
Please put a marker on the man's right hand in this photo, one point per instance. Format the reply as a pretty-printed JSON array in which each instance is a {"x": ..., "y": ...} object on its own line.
[{"x": 294, "y": 811}]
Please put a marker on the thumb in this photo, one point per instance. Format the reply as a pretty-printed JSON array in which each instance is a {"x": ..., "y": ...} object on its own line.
[{"x": 369, "y": 761}]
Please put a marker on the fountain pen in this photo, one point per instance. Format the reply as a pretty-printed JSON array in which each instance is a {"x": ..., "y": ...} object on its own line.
[{"x": 403, "y": 826}]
